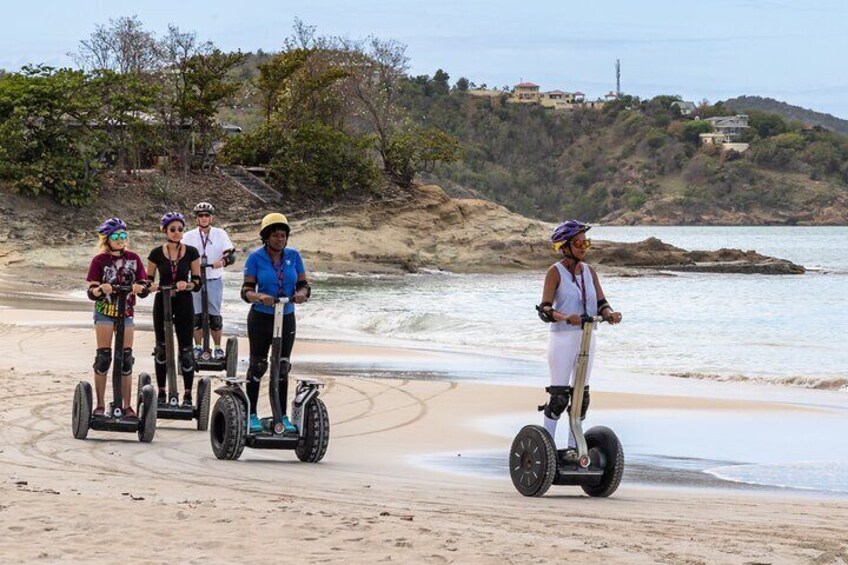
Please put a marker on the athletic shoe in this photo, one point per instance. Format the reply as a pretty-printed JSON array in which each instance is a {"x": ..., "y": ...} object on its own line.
[
  {"x": 255, "y": 423},
  {"x": 99, "y": 411},
  {"x": 162, "y": 397},
  {"x": 288, "y": 426},
  {"x": 129, "y": 413},
  {"x": 568, "y": 456},
  {"x": 187, "y": 399},
  {"x": 219, "y": 354},
  {"x": 198, "y": 352}
]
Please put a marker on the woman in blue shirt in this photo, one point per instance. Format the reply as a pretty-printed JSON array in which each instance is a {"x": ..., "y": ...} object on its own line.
[{"x": 271, "y": 271}]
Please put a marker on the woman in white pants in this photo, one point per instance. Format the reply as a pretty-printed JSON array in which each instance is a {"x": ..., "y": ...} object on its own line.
[{"x": 572, "y": 289}]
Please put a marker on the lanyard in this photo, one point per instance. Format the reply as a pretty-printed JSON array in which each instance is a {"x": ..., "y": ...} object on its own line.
[
  {"x": 174, "y": 262},
  {"x": 580, "y": 284},
  {"x": 280, "y": 268},
  {"x": 204, "y": 241}
]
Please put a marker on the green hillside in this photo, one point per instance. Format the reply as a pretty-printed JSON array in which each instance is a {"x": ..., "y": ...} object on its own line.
[{"x": 787, "y": 112}]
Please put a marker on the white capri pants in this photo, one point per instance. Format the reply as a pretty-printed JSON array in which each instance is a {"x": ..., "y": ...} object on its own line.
[{"x": 563, "y": 348}]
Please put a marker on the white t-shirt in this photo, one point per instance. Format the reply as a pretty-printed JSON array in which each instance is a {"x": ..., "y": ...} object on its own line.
[{"x": 213, "y": 246}]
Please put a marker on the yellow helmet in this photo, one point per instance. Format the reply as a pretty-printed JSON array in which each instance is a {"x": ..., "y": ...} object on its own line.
[{"x": 273, "y": 219}]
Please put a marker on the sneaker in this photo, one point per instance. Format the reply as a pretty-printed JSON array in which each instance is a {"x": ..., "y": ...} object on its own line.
[
  {"x": 129, "y": 413},
  {"x": 99, "y": 411},
  {"x": 187, "y": 399},
  {"x": 219, "y": 354},
  {"x": 569, "y": 456},
  {"x": 198, "y": 352},
  {"x": 162, "y": 397},
  {"x": 288, "y": 426},
  {"x": 255, "y": 423}
]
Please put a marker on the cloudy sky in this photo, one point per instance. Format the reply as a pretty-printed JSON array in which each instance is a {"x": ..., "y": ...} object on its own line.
[{"x": 789, "y": 50}]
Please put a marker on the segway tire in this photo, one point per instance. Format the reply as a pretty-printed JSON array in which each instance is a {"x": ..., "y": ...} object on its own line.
[
  {"x": 605, "y": 450},
  {"x": 228, "y": 427},
  {"x": 232, "y": 357},
  {"x": 143, "y": 379},
  {"x": 204, "y": 399},
  {"x": 533, "y": 461},
  {"x": 81, "y": 412},
  {"x": 147, "y": 413},
  {"x": 313, "y": 444}
]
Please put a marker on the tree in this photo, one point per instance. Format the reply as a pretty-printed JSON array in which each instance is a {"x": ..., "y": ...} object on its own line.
[
  {"x": 441, "y": 84},
  {"x": 419, "y": 150},
  {"x": 462, "y": 84},
  {"x": 122, "y": 46},
  {"x": 47, "y": 144}
]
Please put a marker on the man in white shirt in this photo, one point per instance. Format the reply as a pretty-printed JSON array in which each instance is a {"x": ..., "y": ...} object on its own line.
[{"x": 216, "y": 252}]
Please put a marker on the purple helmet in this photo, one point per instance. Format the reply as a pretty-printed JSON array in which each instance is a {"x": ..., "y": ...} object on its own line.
[
  {"x": 111, "y": 226},
  {"x": 566, "y": 230},
  {"x": 171, "y": 217}
]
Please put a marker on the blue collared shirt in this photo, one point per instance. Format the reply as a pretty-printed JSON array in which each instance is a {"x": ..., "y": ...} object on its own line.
[{"x": 274, "y": 280}]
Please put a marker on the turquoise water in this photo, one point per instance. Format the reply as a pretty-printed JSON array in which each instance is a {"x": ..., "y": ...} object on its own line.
[{"x": 728, "y": 327}]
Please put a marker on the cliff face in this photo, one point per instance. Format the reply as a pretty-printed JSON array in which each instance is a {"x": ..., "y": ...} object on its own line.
[{"x": 419, "y": 229}]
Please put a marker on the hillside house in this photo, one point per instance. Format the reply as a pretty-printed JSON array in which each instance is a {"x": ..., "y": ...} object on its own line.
[
  {"x": 526, "y": 92},
  {"x": 529, "y": 93},
  {"x": 731, "y": 126}
]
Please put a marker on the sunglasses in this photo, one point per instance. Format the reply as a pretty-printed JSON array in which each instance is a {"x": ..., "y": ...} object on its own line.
[
  {"x": 204, "y": 215},
  {"x": 175, "y": 229},
  {"x": 584, "y": 244},
  {"x": 118, "y": 236}
]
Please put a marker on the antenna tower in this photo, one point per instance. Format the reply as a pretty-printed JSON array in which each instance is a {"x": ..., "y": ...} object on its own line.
[{"x": 617, "y": 78}]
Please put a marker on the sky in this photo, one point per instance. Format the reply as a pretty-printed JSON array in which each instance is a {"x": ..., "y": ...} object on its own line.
[{"x": 793, "y": 51}]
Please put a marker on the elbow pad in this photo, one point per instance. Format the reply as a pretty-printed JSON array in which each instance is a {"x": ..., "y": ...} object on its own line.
[
  {"x": 197, "y": 282},
  {"x": 229, "y": 257},
  {"x": 303, "y": 284},
  {"x": 245, "y": 288},
  {"x": 546, "y": 312}
]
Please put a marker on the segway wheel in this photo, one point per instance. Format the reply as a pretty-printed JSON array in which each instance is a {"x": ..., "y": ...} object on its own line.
[
  {"x": 143, "y": 379},
  {"x": 232, "y": 357},
  {"x": 204, "y": 399},
  {"x": 228, "y": 427},
  {"x": 147, "y": 413},
  {"x": 605, "y": 451},
  {"x": 313, "y": 444},
  {"x": 532, "y": 461},
  {"x": 81, "y": 412}
]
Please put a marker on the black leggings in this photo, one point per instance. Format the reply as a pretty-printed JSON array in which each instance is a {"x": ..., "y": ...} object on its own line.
[
  {"x": 182, "y": 310},
  {"x": 260, "y": 331}
]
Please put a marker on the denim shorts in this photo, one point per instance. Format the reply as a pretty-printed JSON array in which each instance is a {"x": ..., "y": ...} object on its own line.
[{"x": 104, "y": 319}]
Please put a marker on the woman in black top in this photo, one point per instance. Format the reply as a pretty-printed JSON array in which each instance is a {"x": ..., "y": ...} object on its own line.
[{"x": 178, "y": 265}]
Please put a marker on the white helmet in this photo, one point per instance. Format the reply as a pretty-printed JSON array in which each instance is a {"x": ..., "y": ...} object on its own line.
[{"x": 203, "y": 207}]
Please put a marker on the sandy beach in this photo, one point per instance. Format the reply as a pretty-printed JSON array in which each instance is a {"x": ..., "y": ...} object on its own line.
[{"x": 65, "y": 500}]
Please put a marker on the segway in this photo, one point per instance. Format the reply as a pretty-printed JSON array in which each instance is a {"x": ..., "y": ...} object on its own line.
[
  {"x": 113, "y": 419},
  {"x": 535, "y": 463},
  {"x": 206, "y": 362},
  {"x": 171, "y": 409},
  {"x": 230, "y": 430}
]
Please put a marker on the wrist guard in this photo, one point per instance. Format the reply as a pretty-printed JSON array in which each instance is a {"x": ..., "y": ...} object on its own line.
[
  {"x": 301, "y": 285},
  {"x": 91, "y": 295},
  {"x": 245, "y": 288},
  {"x": 229, "y": 257},
  {"x": 197, "y": 282},
  {"x": 546, "y": 312},
  {"x": 602, "y": 303},
  {"x": 146, "y": 291}
]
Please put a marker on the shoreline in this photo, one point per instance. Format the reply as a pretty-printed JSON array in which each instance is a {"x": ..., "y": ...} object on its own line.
[{"x": 367, "y": 501}]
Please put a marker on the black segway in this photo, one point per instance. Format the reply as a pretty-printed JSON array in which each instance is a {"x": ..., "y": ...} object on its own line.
[
  {"x": 113, "y": 419},
  {"x": 535, "y": 463},
  {"x": 230, "y": 430},
  {"x": 206, "y": 362},
  {"x": 171, "y": 409}
]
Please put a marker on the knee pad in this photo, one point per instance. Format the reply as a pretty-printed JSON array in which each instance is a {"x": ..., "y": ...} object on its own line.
[
  {"x": 126, "y": 369},
  {"x": 256, "y": 369},
  {"x": 102, "y": 360},
  {"x": 198, "y": 321},
  {"x": 558, "y": 403},
  {"x": 159, "y": 354},
  {"x": 186, "y": 359},
  {"x": 585, "y": 407},
  {"x": 216, "y": 323}
]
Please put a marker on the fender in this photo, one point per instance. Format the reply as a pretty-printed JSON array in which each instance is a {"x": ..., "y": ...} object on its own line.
[{"x": 305, "y": 392}]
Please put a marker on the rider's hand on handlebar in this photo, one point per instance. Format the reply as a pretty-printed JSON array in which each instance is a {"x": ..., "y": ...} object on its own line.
[
  {"x": 106, "y": 288},
  {"x": 298, "y": 298},
  {"x": 137, "y": 288},
  {"x": 181, "y": 286},
  {"x": 265, "y": 299},
  {"x": 572, "y": 320},
  {"x": 613, "y": 317}
]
